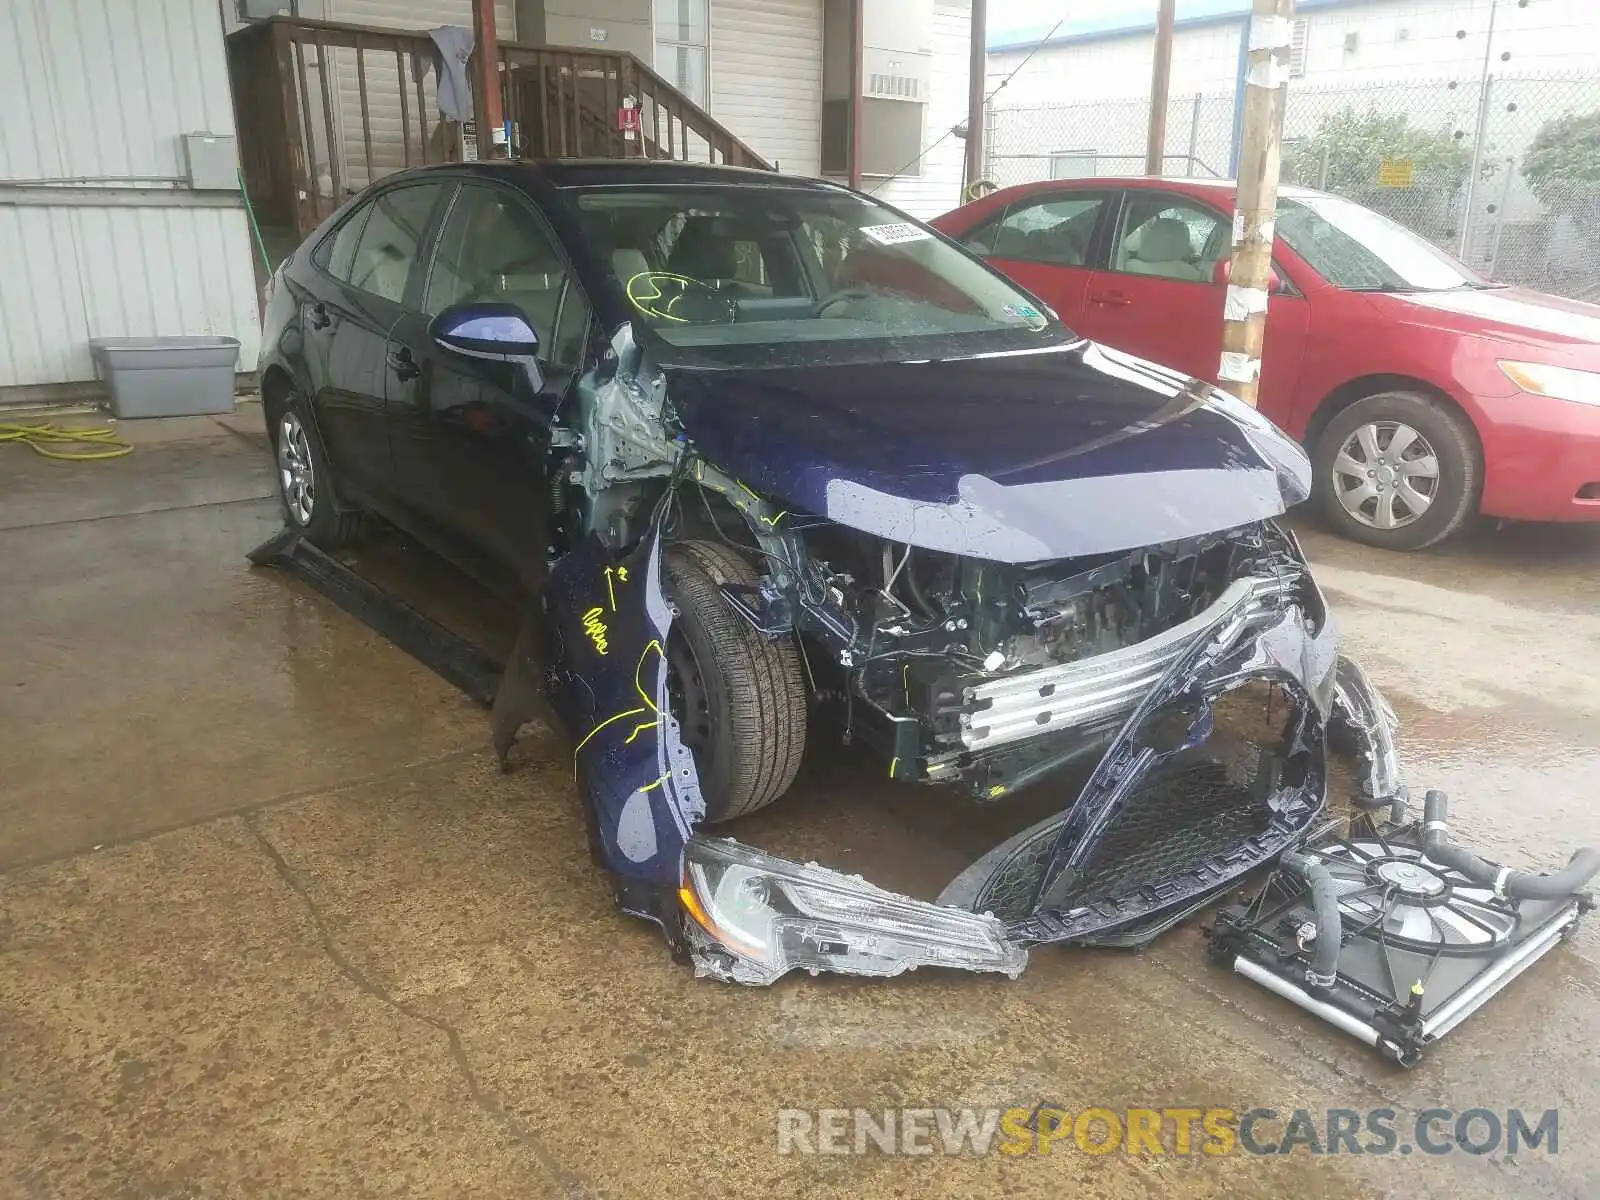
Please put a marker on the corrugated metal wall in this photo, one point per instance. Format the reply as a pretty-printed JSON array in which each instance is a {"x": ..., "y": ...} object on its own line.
[{"x": 96, "y": 94}]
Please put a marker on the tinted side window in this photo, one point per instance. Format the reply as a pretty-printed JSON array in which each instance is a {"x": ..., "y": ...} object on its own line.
[
  {"x": 980, "y": 238},
  {"x": 390, "y": 240},
  {"x": 1056, "y": 230},
  {"x": 493, "y": 247},
  {"x": 337, "y": 254},
  {"x": 566, "y": 347},
  {"x": 1175, "y": 239}
]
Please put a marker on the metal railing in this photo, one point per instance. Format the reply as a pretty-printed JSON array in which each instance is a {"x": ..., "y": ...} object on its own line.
[{"x": 324, "y": 108}]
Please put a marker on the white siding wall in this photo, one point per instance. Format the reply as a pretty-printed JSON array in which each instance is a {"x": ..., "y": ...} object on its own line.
[
  {"x": 766, "y": 78},
  {"x": 1395, "y": 40},
  {"x": 938, "y": 189},
  {"x": 97, "y": 94}
]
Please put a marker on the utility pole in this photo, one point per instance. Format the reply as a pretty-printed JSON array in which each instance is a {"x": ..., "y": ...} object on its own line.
[
  {"x": 977, "y": 69},
  {"x": 1155, "y": 151},
  {"x": 1244, "y": 317},
  {"x": 486, "y": 79}
]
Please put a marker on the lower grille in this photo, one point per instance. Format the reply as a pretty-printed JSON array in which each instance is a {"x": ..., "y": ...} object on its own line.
[{"x": 1176, "y": 819}]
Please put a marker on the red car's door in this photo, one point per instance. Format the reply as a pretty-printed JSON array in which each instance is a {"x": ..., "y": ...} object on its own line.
[
  {"x": 1044, "y": 243},
  {"x": 1159, "y": 295}
]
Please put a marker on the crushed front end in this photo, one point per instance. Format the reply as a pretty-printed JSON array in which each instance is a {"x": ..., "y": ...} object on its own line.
[{"x": 1198, "y": 680}]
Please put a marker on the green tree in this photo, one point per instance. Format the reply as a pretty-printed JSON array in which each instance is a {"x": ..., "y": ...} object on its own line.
[
  {"x": 1562, "y": 166},
  {"x": 1354, "y": 143}
]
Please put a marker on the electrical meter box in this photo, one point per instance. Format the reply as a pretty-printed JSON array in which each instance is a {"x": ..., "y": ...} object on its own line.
[{"x": 212, "y": 160}]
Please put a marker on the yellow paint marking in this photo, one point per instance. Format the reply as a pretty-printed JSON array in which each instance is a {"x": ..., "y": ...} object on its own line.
[
  {"x": 656, "y": 724},
  {"x": 650, "y": 787},
  {"x": 576, "y": 750},
  {"x": 997, "y": 790},
  {"x": 639, "y": 687},
  {"x": 596, "y": 629},
  {"x": 893, "y": 763},
  {"x": 611, "y": 592}
]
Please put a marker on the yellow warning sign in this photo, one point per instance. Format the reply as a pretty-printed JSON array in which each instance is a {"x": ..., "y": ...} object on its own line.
[{"x": 1395, "y": 172}]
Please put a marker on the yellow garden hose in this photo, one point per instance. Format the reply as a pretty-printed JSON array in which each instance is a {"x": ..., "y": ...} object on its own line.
[{"x": 70, "y": 445}]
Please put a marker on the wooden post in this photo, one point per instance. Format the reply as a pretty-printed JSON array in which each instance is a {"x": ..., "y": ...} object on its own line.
[
  {"x": 1155, "y": 146},
  {"x": 1244, "y": 322},
  {"x": 977, "y": 67},
  {"x": 858, "y": 53},
  {"x": 486, "y": 77}
]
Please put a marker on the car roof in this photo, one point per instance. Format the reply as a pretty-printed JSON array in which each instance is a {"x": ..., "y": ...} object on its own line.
[{"x": 613, "y": 172}]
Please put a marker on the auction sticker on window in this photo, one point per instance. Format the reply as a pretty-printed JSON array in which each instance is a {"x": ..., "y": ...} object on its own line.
[{"x": 895, "y": 233}]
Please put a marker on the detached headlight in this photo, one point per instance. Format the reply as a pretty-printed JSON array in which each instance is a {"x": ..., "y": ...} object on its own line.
[
  {"x": 773, "y": 916},
  {"x": 1559, "y": 383}
]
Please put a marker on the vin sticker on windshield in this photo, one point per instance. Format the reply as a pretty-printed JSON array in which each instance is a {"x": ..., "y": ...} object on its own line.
[{"x": 895, "y": 233}]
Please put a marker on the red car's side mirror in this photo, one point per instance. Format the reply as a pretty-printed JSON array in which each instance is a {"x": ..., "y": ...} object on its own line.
[{"x": 1220, "y": 273}]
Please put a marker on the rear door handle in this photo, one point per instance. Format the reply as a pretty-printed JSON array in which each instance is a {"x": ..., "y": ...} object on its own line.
[
  {"x": 401, "y": 362},
  {"x": 320, "y": 318},
  {"x": 1111, "y": 300}
]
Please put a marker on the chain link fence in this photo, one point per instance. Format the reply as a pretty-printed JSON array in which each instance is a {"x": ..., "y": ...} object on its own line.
[{"x": 1504, "y": 173}]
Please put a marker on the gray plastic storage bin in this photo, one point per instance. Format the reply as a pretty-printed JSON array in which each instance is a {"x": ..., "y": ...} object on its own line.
[{"x": 167, "y": 376}]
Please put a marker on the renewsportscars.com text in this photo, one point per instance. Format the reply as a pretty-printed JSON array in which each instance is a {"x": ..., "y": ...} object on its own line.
[{"x": 1046, "y": 1129}]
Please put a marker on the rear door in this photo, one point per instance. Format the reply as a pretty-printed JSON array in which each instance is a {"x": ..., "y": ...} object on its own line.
[
  {"x": 470, "y": 438},
  {"x": 369, "y": 262},
  {"x": 1047, "y": 242},
  {"x": 1159, "y": 295}
]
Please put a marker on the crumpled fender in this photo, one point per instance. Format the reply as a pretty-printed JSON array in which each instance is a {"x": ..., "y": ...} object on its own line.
[{"x": 608, "y": 623}]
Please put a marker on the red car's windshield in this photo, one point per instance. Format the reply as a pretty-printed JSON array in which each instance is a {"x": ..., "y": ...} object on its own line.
[{"x": 1359, "y": 250}]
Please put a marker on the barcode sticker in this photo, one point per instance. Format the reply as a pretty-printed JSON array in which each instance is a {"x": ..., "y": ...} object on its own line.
[{"x": 895, "y": 233}]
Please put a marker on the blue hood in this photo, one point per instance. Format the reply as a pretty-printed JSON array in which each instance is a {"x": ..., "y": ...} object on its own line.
[{"x": 1012, "y": 458}]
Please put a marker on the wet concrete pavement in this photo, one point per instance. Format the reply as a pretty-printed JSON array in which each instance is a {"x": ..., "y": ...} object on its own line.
[{"x": 272, "y": 923}]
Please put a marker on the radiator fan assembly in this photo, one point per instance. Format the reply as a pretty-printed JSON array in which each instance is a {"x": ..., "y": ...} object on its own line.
[{"x": 1395, "y": 935}]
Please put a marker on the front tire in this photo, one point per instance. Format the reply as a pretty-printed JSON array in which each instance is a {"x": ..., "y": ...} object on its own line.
[
  {"x": 739, "y": 697},
  {"x": 1397, "y": 470},
  {"x": 305, "y": 480}
]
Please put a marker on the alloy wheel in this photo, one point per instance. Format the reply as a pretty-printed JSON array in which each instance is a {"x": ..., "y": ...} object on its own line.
[
  {"x": 1386, "y": 475},
  {"x": 295, "y": 472}
]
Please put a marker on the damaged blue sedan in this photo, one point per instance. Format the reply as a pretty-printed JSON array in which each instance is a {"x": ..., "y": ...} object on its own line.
[{"x": 769, "y": 462}]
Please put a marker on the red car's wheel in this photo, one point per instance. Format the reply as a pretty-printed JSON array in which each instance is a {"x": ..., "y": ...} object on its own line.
[{"x": 1399, "y": 470}]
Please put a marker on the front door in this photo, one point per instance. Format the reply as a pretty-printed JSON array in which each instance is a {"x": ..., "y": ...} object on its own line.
[
  {"x": 368, "y": 264},
  {"x": 1161, "y": 293},
  {"x": 1045, "y": 243},
  {"x": 471, "y": 439}
]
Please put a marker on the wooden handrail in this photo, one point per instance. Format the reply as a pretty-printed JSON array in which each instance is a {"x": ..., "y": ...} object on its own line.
[{"x": 315, "y": 32}]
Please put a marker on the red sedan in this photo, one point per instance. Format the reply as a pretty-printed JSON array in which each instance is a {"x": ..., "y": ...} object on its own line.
[{"x": 1423, "y": 392}]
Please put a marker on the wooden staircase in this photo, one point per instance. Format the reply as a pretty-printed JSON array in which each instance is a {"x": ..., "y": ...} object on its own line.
[{"x": 324, "y": 108}]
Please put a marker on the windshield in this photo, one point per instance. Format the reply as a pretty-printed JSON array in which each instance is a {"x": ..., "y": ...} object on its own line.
[
  {"x": 1357, "y": 249},
  {"x": 752, "y": 275}
]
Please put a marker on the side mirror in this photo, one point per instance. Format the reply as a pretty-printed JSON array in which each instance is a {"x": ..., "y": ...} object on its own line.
[
  {"x": 1224, "y": 268},
  {"x": 493, "y": 332}
]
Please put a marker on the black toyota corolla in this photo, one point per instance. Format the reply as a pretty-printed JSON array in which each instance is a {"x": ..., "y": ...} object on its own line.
[{"x": 748, "y": 447}]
